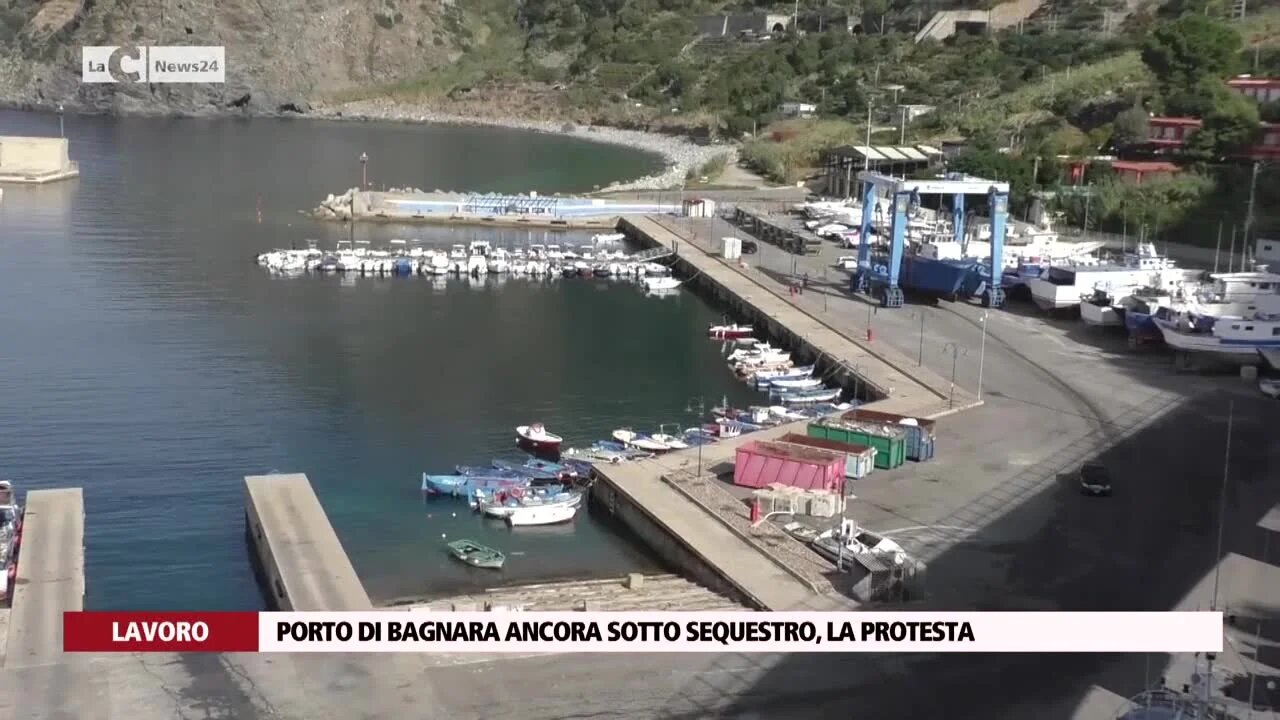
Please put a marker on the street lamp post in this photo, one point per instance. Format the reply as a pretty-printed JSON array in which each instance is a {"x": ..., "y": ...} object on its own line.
[
  {"x": 62, "y": 133},
  {"x": 698, "y": 405},
  {"x": 982, "y": 352},
  {"x": 364, "y": 168},
  {"x": 956, "y": 351}
]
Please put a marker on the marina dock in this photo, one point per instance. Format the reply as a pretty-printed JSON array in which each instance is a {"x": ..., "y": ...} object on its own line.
[
  {"x": 889, "y": 375},
  {"x": 36, "y": 678},
  {"x": 449, "y": 208},
  {"x": 35, "y": 160},
  {"x": 300, "y": 559}
]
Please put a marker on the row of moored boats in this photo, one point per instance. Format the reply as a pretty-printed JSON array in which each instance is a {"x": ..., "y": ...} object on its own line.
[
  {"x": 10, "y": 540},
  {"x": 478, "y": 259}
]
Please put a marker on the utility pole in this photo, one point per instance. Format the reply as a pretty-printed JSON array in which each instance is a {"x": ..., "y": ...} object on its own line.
[
  {"x": 866, "y": 157},
  {"x": 902, "y": 136},
  {"x": 956, "y": 351},
  {"x": 920, "y": 356},
  {"x": 982, "y": 354}
]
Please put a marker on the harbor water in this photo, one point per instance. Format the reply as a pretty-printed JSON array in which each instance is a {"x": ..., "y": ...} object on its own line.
[{"x": 147, "y": 359}]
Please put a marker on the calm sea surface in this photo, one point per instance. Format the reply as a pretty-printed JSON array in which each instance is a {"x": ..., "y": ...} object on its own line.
[{"x": 146, "y": 358}]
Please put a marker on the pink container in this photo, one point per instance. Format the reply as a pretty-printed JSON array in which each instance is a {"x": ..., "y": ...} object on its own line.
[{"x": 759, "y": 464}]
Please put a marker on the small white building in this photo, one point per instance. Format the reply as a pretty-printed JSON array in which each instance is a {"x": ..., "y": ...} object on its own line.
[{"x": 797, "y": 109}]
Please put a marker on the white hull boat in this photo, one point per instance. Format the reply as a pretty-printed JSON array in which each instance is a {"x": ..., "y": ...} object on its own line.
[
  {"x": 671, "y": 441},
  {"x": 631, "y": 438},
  {"x": 1236, "y": 339},
  {"x": 793, "y": 384},
  {"x": 501, "y": 510},
  {"x": 541, "y": 515},
  {"x": 661, "y": 283}
]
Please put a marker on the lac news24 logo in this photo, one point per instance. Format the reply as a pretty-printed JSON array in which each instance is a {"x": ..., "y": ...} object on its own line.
[{"x": 153, "y": 64}]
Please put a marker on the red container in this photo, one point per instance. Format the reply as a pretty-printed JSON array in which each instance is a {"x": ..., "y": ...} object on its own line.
[{"x": 759, "y": 464}]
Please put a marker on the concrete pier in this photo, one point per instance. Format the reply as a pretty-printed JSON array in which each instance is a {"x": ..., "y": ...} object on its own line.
[
  {"x": 35, "y": 160},
  {"x": 50, "y": 577},
  {"x": 887, "y": 374},
  {"x": 301, "y": 561}
]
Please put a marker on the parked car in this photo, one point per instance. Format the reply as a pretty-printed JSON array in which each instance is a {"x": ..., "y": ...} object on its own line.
[
  {"x": 749, "y": 247},
  {"x": 1094, "y": 479},
  {"x": 1270, "y": 387}
]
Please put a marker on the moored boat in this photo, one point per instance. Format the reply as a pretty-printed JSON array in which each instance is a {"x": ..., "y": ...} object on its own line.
[
  {"x": 810, "y": 396},
  {"x": 794, "y": 384},
  {"x": 640, "y": 441},
  {"x": 541, "y": 515},
  {"x": 730, "y": 332},
  {"x": 672, "y": 441},
  {"x": 464, "y": 485},
  {"x": 477, "y": 555},
  {"x": 535, "y": 436},
  {"x": 661, "y": 283}
]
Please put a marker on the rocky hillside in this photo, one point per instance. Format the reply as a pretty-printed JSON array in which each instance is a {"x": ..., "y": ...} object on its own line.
[{"x": 281, "y": 54}]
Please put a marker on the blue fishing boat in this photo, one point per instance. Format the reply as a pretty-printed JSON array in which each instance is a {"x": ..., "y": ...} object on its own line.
[
  {"x": 810, "y": 396},
  {"x": 538, "y": 475},
  {"x": 464, "y": 485},
  {"x": 579, "y": 468},
  {"x": 486, "y": 471}
]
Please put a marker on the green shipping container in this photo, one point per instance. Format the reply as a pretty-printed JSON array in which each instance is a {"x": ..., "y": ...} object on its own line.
[{"x": 889, "y": 441}]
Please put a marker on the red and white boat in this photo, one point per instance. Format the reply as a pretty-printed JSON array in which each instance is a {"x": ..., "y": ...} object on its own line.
[
  {"x": 729, "y": 332},
  {"x": 536, "y": 436}
]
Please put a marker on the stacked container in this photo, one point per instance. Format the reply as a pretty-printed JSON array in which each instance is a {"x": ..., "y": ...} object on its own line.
[
  {"x": 920, "y": 433},
  {"x": 889, "y": 441},
  {"x": 859, "y": 460}
]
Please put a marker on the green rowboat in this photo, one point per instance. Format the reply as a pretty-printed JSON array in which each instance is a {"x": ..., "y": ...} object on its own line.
[{"x": 477, "y": 555}]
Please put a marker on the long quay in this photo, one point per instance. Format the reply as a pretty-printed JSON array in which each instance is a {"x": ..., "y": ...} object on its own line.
[
  {"x": 299, "y": 556},
  {"x": 36, "y": 678},
  {"x": 904, "y": 389}
]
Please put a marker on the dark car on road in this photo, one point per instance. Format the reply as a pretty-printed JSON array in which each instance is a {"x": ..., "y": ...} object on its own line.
[{"x": 1094, "y": 479}]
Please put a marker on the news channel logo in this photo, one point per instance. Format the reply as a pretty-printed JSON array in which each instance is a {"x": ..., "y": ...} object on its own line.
[{"x": 153, "y": 64}]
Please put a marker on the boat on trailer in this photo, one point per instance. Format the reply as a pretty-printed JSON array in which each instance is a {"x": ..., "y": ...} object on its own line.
[{"x": 477, "y": 555}]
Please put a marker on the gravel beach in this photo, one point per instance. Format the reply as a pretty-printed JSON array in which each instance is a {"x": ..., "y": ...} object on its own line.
[{"x": 680, "y": 154}]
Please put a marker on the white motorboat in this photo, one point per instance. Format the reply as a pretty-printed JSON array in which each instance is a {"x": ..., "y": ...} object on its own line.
[
  {"x": 661, "y": 283},
  {"x": 608, "y": 238},
  {"x": 538, "y": 437},
  {"x": 1236, "y": 294},
  {"x": 730, "y": 332},
  {"x": 478, "y": 257},
  {"x": 653, "y": 269},
  {"x": 504, "y": 509},
  {"x": 639, "y": 441},
  {"x": 550, "y": 514},
  {"x": 672, "y": 441},
  {"x": 1103, "y": 308},
  {"x": 791, "y": 384}
]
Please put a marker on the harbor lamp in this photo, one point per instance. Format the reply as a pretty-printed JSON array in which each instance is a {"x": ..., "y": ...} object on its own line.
[
  {"x": 956, "y": 351},
  {"x": 364, "y": 168},
  {"x": 698, "y": 406},
  {"x": 61, "y": 128}
]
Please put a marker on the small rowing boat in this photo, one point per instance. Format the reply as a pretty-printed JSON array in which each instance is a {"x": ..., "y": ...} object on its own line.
[
  {"x": 794, "y": 384},
  {"x": 809, "y": 396},
  {"x": 464, "y": 485},
  {"x": 477, "y": 555}
]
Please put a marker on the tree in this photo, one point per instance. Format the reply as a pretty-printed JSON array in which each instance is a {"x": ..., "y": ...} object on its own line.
[
  {"x": 1183, "y": 52},
  {"x": 1130, "y": 127},
  {"x": 1228, "y": 128},
  {"x": 1199, "y": 99}
]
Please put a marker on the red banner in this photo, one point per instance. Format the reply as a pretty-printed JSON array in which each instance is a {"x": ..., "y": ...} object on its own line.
[{"x": 160, "y": 632}]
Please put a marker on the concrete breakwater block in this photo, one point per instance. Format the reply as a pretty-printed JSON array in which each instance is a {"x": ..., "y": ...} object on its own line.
[{"x": 634, "y": 581}]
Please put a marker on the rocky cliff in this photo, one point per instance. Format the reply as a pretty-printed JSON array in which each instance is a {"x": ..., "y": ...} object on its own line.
[{"x": 282, "y": 55}]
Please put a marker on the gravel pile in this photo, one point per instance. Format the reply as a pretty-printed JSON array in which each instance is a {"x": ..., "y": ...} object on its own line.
[{"x": 680, "y": 154}]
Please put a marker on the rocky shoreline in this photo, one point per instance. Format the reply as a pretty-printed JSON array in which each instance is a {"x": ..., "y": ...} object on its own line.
[{"x": 680, "y": 154}]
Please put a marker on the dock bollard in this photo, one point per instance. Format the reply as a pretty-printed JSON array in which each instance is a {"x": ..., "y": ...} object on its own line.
[
  {"x": 869, "y": 335},
  {"x": 755, "y": 510}
]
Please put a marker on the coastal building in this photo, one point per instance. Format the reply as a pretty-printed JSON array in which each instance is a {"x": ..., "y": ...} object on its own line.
[
  {"x": 35, "y": 160},
  {"x": 1261, "y": 89},
  {"x": 742, "y": 24},
  {"x": 1137, "y": 170},
  {"x": 841, "y": 165},
  {"x": 797, "y": 109},
  {"x": 1167, "y": 135}
]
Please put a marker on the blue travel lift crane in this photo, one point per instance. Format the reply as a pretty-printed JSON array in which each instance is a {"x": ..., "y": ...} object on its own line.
[{"x": 906, "y": 194}]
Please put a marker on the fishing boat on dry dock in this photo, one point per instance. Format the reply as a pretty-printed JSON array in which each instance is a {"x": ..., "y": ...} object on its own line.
[{"x": 1231, "y": 339}]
